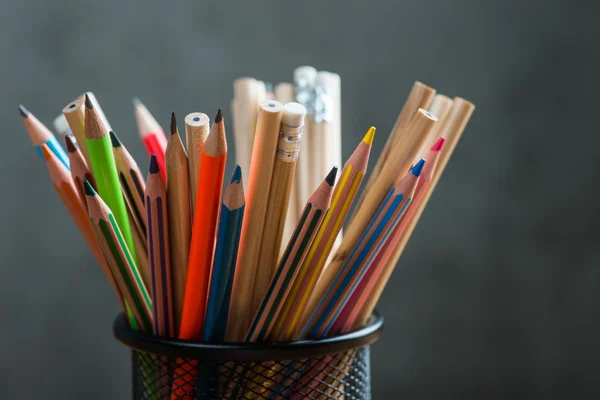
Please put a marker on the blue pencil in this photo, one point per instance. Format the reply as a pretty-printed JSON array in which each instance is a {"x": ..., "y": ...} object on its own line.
[
  {"x": 39, "y": 134},
  {"x": 228, "y": 237}
]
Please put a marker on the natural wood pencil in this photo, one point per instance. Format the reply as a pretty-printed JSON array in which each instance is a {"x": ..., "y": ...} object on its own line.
[
  {"x": 292, "y": 127},
  {"x": 259, "y": 182},
  {"x": 285, "y": 92},
  {"x": 245, "y": 112},
  {"x": 39, "y": 134},
  {"x": 210, "y": 184},
  {"x": 97, "y": 107},
  {"x": 74, "y": 112},
  {"x": 80, "y": 171},
  {"x": 196, "y": 131},
  {"x": 180, "y": 227},
  {"x": 439, "y": 108}
]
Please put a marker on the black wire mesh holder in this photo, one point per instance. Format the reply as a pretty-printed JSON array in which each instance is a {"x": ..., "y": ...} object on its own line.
[{"x": 331, "y": 368}]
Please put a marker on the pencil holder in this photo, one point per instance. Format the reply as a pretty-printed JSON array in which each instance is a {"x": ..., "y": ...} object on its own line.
[{"x": 332, "y": 368}]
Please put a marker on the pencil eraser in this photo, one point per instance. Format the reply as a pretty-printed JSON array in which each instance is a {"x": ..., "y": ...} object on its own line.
[{"x": 293, "y": 114}]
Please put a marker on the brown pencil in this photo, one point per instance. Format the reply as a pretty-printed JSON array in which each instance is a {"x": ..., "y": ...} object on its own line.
[
  {"x": 196, "y": 131},
  {"x": 80, "y": 170}
]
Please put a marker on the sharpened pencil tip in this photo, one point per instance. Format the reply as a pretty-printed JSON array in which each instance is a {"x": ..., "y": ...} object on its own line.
[
  {"x": 418, "y": 168},
  {"x": 438, "y": 145},
  {"x": 70, "y": 144},
  {"x": 173, "y": 123},
  {"x": 368, "y": 139},
  {"x": 114, "y": 139},
  {"x": 88, "y": 102},
  {"x": 331, "y": 176},
  {"x": 23, "y": 111},
  {"x": 219, "y": 116},
  {"x": 136, "y": 101},
  {"x": 88, "y": 188},
  {"x": 153, "y": 164},
  {"x": 237, "y": 174}
]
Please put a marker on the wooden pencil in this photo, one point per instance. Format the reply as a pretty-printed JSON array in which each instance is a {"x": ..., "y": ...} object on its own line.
[
  {"x": 439, "y": 108},
  {"x": 285, "y": 92},
  {"x": 380, "y": 227},
  {"x": 97, "y": 107},
  {"x": 245, "y": 112},
  {"x": 454, "y": 126},
  {"x": 158, "y": 252},
  {"x": 80, "y": 170},
  {"x": 288, "y": 148},
  {"x": 210, "y": 183},
  {"x": 74, "y": 113},
  {"x": 223, "y": 270},
  {"x": 180, "y": 227},
  {"x": 105, "y": 171},
  {"x": 259, "y": 182},
  {"x": 61, "y": 126},
  {"x": 151, "y": 133},
  {"x": 119, "y": 257},
  {"x": 196, "y": 131},
  {"x": 290, "y": 321},
  {"x": 39, "y": 134},
  {"x": 295, "y": 252}
]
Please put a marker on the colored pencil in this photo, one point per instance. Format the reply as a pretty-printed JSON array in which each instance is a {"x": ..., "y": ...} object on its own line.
[
  {"x": 290, "y": 321},
  {"x": 214, "y": 156},
  {"x": 119, "y": 257},
  {"x": 151, "y": 133},
  {"x": 288, "y": 148},
  {"x": 74, "y": 113},
  {"x": 39, "y": 134},
  {"x": 292, "y": 259},
  {"x": 105, "y": 171},
  {"x": 259, "y": 182},
  {"x": 80, "y": 170},
  {"x": 380, "y": 227},
  {"x": 97, "y": 107},
  {"x": 196, "y": 131},
  {"x": 158, "y": 252},
  {"x": 223, "y": 270}
]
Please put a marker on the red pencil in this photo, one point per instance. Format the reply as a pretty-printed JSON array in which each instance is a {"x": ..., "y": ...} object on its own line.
[{"x": 152, "y": 135}]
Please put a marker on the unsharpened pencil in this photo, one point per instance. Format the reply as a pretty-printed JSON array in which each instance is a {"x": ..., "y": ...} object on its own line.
[
  {"x": 151, "y": 133},
  {"x": 39, "y": 134},
  {"x": 74, "y": 113}
]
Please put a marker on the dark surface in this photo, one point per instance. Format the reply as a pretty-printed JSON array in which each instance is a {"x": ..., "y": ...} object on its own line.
[{"x": 497, "y": 295}]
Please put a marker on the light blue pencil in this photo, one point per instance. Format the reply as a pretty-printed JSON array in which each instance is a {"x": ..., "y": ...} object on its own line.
[{"x": 39, "y": 134}]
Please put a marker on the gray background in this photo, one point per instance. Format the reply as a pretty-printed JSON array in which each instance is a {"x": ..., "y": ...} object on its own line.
[{"x": 497, "y": 294}]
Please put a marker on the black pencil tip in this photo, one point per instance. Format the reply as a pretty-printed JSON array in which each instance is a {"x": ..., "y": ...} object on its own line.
[
  {"x": 173, "y": 123},
  {"x": 88, "y": 188},
  {"x": 23, "y": 111},
  {"x": 114, "y": 139},
  {"x": 153, "y": 164},
  {"x": 331, "y": 176},
  {"x": 88, "y": 102},
  {"x": 70, "y": 144},
  {"x": 219, "y": 116}
]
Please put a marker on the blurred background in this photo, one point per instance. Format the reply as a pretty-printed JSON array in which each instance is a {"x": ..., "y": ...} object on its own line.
[{"x": 497, "y": 294}]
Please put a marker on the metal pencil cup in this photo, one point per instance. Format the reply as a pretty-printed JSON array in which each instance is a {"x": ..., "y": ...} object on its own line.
[{"x": 332, "y": 368}]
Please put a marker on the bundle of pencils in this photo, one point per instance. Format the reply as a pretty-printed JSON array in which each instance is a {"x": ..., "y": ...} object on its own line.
[{"x": 191, "y": 259}]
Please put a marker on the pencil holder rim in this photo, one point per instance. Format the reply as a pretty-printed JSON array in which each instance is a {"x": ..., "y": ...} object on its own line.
[{"x": 294, "y": 350}]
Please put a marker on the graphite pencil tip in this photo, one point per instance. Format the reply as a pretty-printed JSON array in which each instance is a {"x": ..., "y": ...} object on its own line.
[
  {"x": 153, "y": 164},
  {"x": 70, "y": 144},
  {"x": 88, "y": 102},
  {"x": 219, "y": 116},
  {"x": 23, "y": 111},
  {"x": 173, "y": 123},
  {"x": 88, "y": 188},
  {"x": 438, "y": 145},
  {"x": 331, "y": 176},
  {"x": 418, "y": 168},
  {"x": 136, "y": 101},
  {"x": 368, "y": 139},
  {"x": 237, "y": 175},
  {"x": 114, "y": 139}
]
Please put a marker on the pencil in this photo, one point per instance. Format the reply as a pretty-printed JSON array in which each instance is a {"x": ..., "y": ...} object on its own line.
[
  {"x": 180, "y": 229},
  {"x": 259, "y": 182},
  {"x": 223, "y": 270},
  {"x": 39, "y": 134},
  {"x": 285, "y": 92},
  {"x": 105, "y": 172},
  {"x": 439, "y": 108},
  {"x": 74, "y": 113},
  {"x": 80, "y": 170},
  {"x": 288, "y": 148},
  {"x": 379, "y": 228},
  {"x": 292, "y": 259},
  {"x": 61, "y": 126},
  {"x": 196, "y": 131},
  {"x": 97, "y": 107},
  {"x": 245, "y": 107},
  {"x": 158, "y": 252},
  {"x": 119, "y": 257},
  {"x": 210, "y": 183},
  {"x": 289, "y": 323},
  {"x": 151, "y": 133}
]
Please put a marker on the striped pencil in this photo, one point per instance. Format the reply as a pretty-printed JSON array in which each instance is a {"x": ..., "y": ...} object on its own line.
[
  {"x": 39, "y": 134},
  {"x": 151, "y": 133},
  {"x": 293, "y": 256},
  {"x": 290, "y": 320},
  {"x": 119, "y": 257},
  {"x": 80, "y": 170},
  {"x": 223, "y": 270},
  {"x": 210, "y": 183},
  {"x": 382, "y": 224},
  {"x": 158, "y": 252}
]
